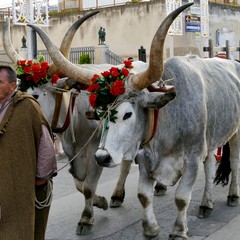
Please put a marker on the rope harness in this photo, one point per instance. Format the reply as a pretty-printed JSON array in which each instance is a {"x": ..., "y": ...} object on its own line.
[{"x": 46, "y": 202}]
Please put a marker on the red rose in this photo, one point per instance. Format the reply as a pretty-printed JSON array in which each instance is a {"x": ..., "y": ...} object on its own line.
[
  {"x": 94, "y": 78},
  {"x": 29, "y": 62},
  {"x": 117, "y": 88},
  {"x": 54, "y": 78},
  {"x": 125, "y": 72},
  {"x": 92, "y": 100},
  {"x": 22, "y": 62},
  {"x": 44, "y": 65},
  {"x": 128, "y": 64},
  {"x": 114, "y": 72},
  {"x": 93, "y": 87},
  {"x": 36, "y": 68},
  {"x": 105, "y": 74},
  {"x": 36, "y": 77},
  {"x": 27, "y": 70}
]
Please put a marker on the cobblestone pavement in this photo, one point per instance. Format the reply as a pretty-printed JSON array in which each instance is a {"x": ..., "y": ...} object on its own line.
[{"x": 125, "y": 223}]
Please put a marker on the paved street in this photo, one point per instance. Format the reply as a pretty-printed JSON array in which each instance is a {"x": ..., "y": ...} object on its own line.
[{"x": 125, "y": 223}]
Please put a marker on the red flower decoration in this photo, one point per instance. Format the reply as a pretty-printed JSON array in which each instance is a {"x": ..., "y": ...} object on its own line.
[
  {"x": 114, "y": 72},
  {"x": 93, "y": 87},
  {"x": 32, "y": 73},
  {"x": 106, "y": 87},
  {"x": 92, "y": 99},
  {"x": 117, "y": 88},
  {"x": 21, "y": 62},
  {"x": 36, "y": 77},
  {"x": 27, "y": 70},
  {"x": 54, "y": 78},
  {"x": 94, "y": 78},
  {"x": 128, "y": 64},
  {"x": 106, "y": 74},
  {"x": 125, "y": 72}
]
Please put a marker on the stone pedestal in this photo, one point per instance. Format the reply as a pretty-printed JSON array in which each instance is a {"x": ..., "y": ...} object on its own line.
[
  {"x": 24, "y": 53},
  {"x": 100, "y": 54}
]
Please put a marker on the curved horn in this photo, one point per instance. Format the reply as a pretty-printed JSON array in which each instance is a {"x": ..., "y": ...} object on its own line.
[
  {"x": 67, "y": 40},
  {"x": 64, "y": 65},
  {"x": 7, "y": 43},
  {"x": 155, "y": 69}
]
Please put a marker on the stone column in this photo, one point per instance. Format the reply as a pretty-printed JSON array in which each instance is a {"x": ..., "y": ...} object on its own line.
[{"x": 100, "y": 54}]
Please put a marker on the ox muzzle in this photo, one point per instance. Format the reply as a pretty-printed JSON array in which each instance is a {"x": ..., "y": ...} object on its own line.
[{"x": 103, "y": 158}]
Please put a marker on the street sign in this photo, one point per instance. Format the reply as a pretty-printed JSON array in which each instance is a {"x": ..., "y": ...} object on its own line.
[
  {"x": 192, "y": 19},
  {"x": 192, "y": 23},
  {"x": 193, "y": 27}
]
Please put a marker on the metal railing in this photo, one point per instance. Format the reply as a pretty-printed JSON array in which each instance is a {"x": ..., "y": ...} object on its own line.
[
  {"x": 113, "y": 58},
  {"x": 75, "y": 54},
  {"x": 212, "y": 51}
]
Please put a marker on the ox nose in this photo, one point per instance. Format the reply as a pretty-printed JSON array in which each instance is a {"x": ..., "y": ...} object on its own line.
[{"x": 103, "y": 158}]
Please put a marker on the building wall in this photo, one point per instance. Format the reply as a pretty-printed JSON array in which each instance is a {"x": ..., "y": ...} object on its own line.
[{"x": 131, "y": 26}]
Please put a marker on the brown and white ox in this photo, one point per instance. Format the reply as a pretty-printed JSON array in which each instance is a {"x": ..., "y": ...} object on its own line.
[{"x": 75, "y": 130}]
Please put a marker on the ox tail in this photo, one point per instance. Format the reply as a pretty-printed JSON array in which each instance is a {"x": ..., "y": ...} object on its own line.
[{"x": 224, "y": 169}]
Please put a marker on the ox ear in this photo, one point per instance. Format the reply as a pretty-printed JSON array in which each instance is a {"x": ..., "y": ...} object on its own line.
[{"x": 156, "y": 99}]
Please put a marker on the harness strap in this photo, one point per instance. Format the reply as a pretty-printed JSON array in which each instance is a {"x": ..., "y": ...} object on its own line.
[
  {"x": 68, "y": 118},
  {"x": 152, "y": 125},
  {"x": 58, "y": 103},
  {"x": 218, "y": 156}
]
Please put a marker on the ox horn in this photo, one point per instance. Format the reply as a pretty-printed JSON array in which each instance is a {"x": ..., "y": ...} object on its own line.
[
  {"x": 67, "y": 40},
  {"x": 64, "y": 65},
  {"x": 7, "y": 43},
  {"x": 155, "y": 69}
]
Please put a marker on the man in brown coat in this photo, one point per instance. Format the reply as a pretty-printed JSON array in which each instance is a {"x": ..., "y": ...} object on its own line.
[{"x": 27, "y": 163}]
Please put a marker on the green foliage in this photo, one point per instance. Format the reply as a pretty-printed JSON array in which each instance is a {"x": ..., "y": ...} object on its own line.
[{"x": 85, "y": 58}]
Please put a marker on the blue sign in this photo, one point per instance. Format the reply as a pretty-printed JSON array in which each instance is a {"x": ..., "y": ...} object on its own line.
[{"x": 193, "y": 27}]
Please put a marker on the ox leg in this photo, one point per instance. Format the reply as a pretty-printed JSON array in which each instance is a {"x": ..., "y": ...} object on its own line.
[
  {"x": 182, "y": 198},
  {"x": 145, "y": 196},
  {"x": 233, "y": 194},
  {"x": 206, "y": 206},
  {"x": 119, "y": 191},
  {"x": 88, "y": 188}
]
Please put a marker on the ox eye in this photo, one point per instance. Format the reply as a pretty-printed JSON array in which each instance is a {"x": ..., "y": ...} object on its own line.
[
  {"x": 127, "y": 115},
  {"x": 35, "y": 96}
]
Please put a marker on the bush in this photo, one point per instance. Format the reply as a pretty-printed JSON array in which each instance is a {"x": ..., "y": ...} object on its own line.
[{"x": 84, "y": 58}]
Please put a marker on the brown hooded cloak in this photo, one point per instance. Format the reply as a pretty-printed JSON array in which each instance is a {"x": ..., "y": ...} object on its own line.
[{"x": 20, "y": 132}]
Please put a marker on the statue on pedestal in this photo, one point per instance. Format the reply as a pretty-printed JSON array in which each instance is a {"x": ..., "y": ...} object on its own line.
[{"x": 101, "y": 35}]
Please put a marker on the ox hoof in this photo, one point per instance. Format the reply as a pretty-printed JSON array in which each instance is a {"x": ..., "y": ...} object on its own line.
[
  {"x": 84, "y": 229},
  {"x": 115, "y": 202},
  {"x": 176, "y": 237},
  {"x": 101, "y": 203},
  {"x": 151, "y": 231},
  {"x": 233, "y": 201},
  {"x": 204, "y": 212}
]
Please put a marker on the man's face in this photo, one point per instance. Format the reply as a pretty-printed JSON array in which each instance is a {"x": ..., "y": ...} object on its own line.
[{"x": 6, "y": 88}]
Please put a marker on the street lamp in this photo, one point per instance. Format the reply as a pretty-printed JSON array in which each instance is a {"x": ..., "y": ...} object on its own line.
[{"x": 33, "y": 12}]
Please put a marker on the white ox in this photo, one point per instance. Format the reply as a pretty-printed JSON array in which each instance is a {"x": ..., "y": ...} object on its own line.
[
  {"x": 85, "y": 171},
  {"x": 79, "y": 130},
  {"x": 189, "y": 129},
  {"x": 202, "y": 114}
]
